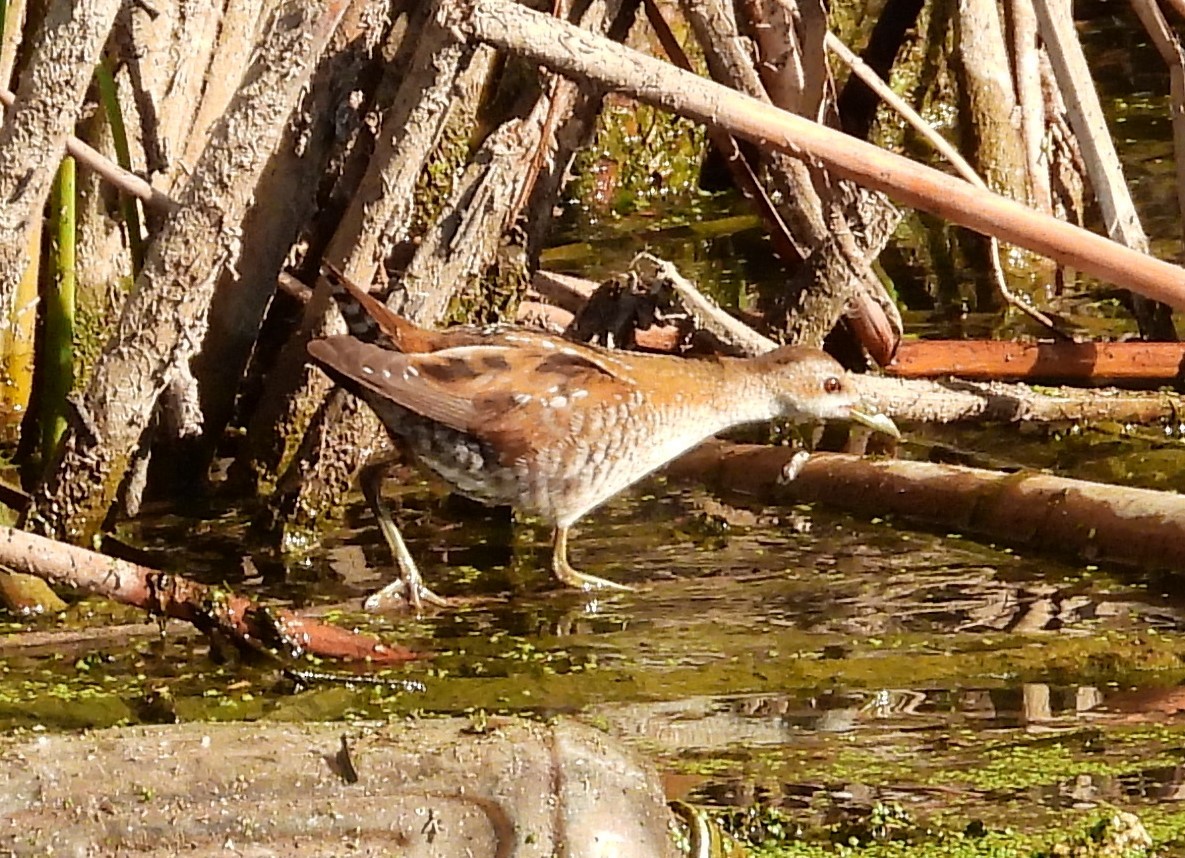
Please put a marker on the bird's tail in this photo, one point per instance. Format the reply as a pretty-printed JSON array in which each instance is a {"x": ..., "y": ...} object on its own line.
[{"x": 369, "y": 319}]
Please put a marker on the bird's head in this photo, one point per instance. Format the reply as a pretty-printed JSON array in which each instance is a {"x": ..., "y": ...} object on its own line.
[{"x": 808, "y": 384}]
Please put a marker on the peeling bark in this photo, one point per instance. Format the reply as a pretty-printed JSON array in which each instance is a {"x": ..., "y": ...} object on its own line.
[
  {"x": 164, "y": 316},
  {"x": 33, "y": 136}
]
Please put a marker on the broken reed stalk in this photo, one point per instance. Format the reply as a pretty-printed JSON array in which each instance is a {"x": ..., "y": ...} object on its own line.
[
  {"x": 109, "y": 97},
  {"x": 574, "y": 52},
  {"x": 210, "y": 609},
  {"x": 57, "y": 351}
]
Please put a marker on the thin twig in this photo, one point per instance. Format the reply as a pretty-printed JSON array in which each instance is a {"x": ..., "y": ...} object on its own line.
[{"x": 94, "y": 160}]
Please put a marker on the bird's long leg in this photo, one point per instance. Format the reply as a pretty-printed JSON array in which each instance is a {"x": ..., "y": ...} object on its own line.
[
  {"x": 409, "y": 588},
  {"x": 566, "y": 574}
]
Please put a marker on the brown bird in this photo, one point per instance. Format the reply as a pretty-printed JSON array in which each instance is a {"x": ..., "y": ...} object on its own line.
[{"x": 507, "y": 415}]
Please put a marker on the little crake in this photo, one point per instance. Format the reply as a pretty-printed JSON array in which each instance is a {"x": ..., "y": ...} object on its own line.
[{"x": 507, "y": 415}]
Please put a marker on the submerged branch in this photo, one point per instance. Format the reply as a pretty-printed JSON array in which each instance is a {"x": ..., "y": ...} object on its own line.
[
  {"x": 1136, "y": 528},
  {"x": 211, "y": 610}
]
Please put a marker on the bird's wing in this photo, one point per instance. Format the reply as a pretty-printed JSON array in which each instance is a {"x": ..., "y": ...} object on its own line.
[{"x": 485, "y": 390}]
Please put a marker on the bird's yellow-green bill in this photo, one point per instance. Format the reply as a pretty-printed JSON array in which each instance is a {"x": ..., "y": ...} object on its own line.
[{"x": 876, "y": 422}]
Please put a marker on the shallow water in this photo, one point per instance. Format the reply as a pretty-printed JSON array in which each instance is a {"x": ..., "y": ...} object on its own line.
[{"x": 800, "y": 659}]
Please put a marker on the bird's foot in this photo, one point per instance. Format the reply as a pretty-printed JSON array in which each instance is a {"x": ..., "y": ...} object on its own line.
[
  {"x": 582, "y": 581},
  {"x": 400, "y": 595}
]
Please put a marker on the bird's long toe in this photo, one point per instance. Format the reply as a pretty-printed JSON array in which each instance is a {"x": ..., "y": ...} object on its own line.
[
  {"x": 398, "y": 595},
  {"x": 583, "y": 581}
]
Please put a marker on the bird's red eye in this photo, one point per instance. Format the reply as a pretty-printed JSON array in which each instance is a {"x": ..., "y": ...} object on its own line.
[{"x": 832, "y": 385}]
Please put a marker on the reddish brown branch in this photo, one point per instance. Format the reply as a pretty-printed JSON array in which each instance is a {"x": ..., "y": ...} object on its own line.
[
  {"x": 1083, "y": 363},
  {"x": 210, "y": 609}
]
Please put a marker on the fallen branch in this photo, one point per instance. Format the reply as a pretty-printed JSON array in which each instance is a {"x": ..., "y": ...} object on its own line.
[
  {"x": 565, "y": 290},
  {"x": 656, "y": 338},
  {"x": 1081, "y": 363},
  {"x": 209, "y": 609},
  {"x": 1135, "y": 528},
  {"x": 956, "y": 401}
]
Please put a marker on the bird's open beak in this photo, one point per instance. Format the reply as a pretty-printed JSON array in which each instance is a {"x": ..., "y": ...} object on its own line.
[{"x": 876, "y": 422}]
